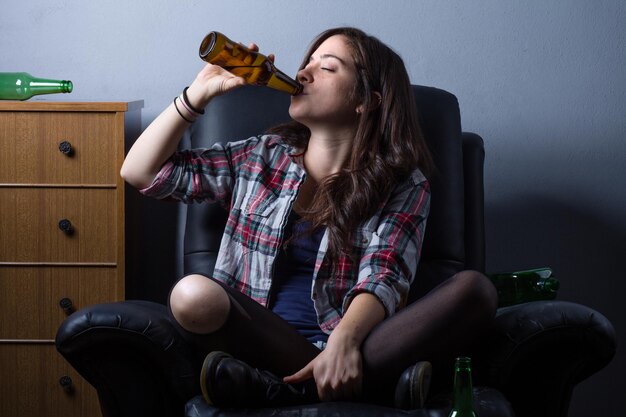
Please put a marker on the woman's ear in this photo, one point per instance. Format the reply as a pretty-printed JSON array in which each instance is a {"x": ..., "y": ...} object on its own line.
[{"x": 375, "y": 103}]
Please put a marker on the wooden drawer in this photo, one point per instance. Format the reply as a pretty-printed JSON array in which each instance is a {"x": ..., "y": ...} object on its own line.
[
  {"x": 30, "y": 296},
  {"x": 30, "y": 386},
  {"x": 29, "y": 148},
  {"x": 29, "y": 221}
]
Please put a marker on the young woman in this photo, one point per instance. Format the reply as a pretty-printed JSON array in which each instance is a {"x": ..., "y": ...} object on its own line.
[{"x": 326, "y": 220}]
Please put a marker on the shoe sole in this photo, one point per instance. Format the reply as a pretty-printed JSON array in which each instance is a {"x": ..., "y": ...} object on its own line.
[
  {"x": 420, "y": 383},
  {"x": 208, "y": 368}
]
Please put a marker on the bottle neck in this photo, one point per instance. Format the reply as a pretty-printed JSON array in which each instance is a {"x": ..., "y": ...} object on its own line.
[
  {"x": 280, "y": 81},
  {"x": 42, "y": 86},
  {"x": 548, "y": 284},
  {"x": 463, "y": 393}
]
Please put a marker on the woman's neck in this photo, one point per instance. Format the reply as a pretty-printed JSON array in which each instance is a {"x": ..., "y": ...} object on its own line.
[{"x": 326, "y": 155}]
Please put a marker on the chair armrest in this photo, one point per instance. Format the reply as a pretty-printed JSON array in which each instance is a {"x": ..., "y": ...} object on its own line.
[
  {"x": 540, "y": 350},
  {"x": 133, "y": 355}
]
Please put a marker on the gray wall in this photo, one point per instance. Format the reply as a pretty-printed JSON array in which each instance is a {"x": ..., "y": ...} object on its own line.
[{"x": 542, "y": 81}]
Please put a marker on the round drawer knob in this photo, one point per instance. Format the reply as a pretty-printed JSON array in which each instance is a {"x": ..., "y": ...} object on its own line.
[
  {"x": 66, "y": 305},
  {"x": 66, "y": 148},
  {"x": 66, "y": 226},
  {"x": 67, "y": 384}
]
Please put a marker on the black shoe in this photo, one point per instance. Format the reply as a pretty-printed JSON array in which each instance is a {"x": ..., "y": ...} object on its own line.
[
  {"x": 228, "y": 382},
  {"x": 413, "y": 385}
]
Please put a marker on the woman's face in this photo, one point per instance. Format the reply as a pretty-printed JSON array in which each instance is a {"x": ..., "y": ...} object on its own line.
[{"x": 327, "y": 99}]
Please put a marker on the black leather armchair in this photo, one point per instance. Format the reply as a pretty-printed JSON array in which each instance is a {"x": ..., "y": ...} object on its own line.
[{"x": 530, "y": 362}]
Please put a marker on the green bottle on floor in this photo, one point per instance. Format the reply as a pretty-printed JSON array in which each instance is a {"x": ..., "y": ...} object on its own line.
[{"x": 462, "y": 405}]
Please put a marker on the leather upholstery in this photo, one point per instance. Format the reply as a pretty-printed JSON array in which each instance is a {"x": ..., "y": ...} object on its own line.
[{"x": 536, "y": 354}]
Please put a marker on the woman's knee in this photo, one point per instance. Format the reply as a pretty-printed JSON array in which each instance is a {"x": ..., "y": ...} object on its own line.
[
  {"x": 477, "y": 290},
  {"x": 199, "y": 304}
]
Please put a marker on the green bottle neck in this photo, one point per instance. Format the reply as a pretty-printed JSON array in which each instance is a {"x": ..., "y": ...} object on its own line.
[
  {"x": 43, "y": 86},
  {"x": 462, "y": 404},
  {"x": 462, "y": 391},
  {"x": 548, "y": 284}
]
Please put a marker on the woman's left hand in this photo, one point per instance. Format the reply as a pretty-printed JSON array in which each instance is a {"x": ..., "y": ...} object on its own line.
[{"x": 337, "y": 370}]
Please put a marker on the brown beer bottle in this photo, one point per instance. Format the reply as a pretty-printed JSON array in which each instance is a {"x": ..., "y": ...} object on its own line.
[{"x": 252, "y": 66}]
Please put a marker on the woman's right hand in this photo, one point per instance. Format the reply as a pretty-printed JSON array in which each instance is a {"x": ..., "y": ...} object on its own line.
[{"x": 213, "y": 81}]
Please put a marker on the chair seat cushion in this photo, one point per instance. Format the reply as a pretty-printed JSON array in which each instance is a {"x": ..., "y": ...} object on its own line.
[{"x": 488, "y": 402}]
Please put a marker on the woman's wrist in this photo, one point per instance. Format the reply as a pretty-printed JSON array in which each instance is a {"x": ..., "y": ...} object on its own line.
[
  {"x": 197, "y": 97},
  {"x": 193, "y": 109},
  {"x": 346, "y": 336},
  {"x": 187, "y": 108},
  {"x": 364, "y": 312}
]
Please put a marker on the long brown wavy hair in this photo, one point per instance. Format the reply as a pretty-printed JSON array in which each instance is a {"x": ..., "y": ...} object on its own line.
[{"x": 388, "y": 145}]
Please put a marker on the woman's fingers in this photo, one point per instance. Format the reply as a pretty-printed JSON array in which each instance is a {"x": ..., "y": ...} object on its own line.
[
  {"x": 254, "y": 47},
  {"x": 300, "y": 376}
]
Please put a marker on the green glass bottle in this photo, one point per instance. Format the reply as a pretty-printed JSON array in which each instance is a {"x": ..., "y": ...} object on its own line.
[
  {"x": 22, "y": 86},
  {"x": 524, "y": 286},
  {"x": 462, "y": 404}
]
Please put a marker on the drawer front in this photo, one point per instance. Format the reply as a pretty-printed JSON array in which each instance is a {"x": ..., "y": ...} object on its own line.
[
  {"x": 30, "y": 384},
  {"x": 30, "y": 297},
  {"x": 30, "y": 141},
  {"x": 31, "y": 225}
]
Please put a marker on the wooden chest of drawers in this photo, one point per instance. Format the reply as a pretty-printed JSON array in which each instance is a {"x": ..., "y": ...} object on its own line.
[{"x": 62, "y": 227}]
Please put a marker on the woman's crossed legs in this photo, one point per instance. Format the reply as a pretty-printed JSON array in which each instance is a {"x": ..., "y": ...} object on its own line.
[{"x": 436, "y": 327}]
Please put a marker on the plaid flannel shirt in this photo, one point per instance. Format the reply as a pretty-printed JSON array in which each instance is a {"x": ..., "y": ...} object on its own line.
[{"x": 258, "y": 180}]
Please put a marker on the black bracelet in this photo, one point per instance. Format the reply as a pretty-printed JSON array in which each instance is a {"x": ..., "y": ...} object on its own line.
[
  {"x": 189, "y": 104},
  {"x": 181, "y": 115}
]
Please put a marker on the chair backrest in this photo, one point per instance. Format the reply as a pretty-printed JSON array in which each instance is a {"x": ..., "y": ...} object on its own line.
[{"x": 251, "y": 110}]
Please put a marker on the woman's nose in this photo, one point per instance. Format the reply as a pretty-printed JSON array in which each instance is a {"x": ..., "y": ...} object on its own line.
[{"x": 304, "y": 76}]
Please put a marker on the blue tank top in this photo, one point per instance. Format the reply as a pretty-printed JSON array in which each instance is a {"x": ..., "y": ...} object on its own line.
[{"x": 293, "y": 275}]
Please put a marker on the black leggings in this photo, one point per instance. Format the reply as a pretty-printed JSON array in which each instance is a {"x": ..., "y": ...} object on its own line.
[{"x": 437, "y": 327}]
